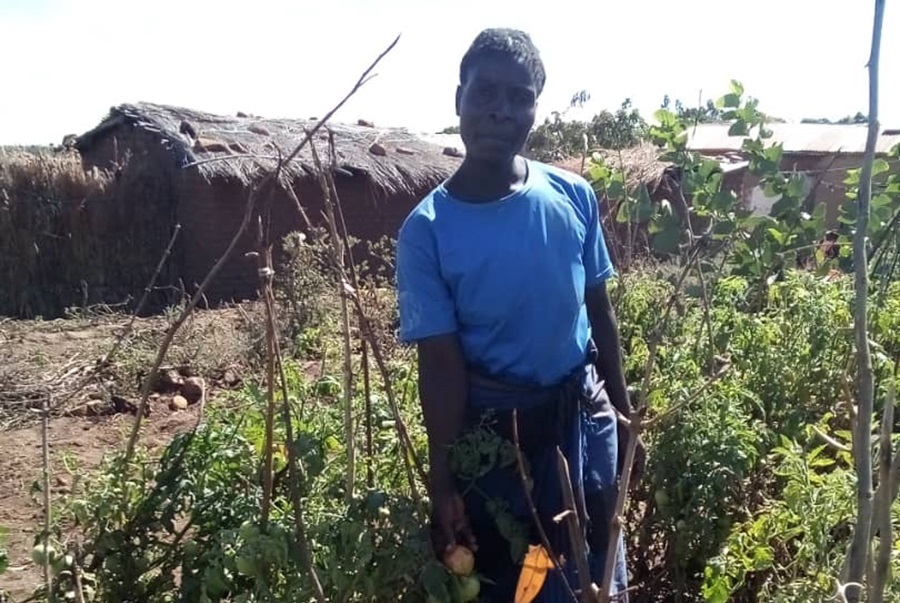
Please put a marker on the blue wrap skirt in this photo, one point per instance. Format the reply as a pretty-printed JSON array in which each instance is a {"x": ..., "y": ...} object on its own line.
[{"x": 578, "y": 418}]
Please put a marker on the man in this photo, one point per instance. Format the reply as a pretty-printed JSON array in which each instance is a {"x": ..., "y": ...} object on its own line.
[{"x": 501, "y": 274}]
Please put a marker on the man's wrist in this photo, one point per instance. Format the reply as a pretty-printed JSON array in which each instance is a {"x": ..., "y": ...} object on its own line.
[{"x": 439, "y": 471}]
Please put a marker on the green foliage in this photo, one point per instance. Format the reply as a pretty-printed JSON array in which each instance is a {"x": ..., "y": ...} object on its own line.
[
  {"x": 799, "y": 536},
  {"x": 740, "y": 502},
  {"x": 559, "y": 138},
  {"x": 703, "y": 114},
  {"x": 195, "y": 514},
  {"x": 4, "y": 556},
  {"x": 716, "y": 475},
  {"x": 779, "y": 341},
  {"x": 858, "y": 118}
]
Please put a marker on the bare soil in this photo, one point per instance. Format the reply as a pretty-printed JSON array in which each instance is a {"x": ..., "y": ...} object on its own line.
[{"x": 216, "y": 345}]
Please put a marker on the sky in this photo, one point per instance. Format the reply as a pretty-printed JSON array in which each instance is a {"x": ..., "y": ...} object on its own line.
[{"x": 66, "y": 62}]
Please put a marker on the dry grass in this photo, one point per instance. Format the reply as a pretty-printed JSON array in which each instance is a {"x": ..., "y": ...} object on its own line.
[
  {"x": 69, "y": 237},
  {"x": 46, "y": 243}
]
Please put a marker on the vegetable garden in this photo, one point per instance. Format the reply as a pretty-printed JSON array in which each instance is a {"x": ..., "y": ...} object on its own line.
[{"x": 310, "y": 484}]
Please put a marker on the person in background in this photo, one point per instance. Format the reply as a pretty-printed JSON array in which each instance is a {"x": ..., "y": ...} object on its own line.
[{"x": 501, "y": 280}]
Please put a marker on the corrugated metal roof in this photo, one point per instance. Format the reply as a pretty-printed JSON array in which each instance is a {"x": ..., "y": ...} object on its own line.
[{"x": 796, "y": 138}]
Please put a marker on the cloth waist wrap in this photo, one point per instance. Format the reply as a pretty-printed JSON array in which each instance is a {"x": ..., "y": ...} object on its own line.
[{"x": 577, "y": 417}]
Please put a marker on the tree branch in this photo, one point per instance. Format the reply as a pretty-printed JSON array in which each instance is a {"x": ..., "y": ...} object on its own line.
[{"x": 862, "y": 444}]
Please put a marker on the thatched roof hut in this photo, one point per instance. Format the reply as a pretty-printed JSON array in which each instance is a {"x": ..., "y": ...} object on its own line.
[
  {"x": 642, "y": 167},
  {"x": 641, "y": 164},
  {"x": 195, "y": 168},
  {"x": 237, "y": 148}
]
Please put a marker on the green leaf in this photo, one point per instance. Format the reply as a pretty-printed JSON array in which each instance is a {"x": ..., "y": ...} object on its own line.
[
  {"x": 665, "y": 118},
  {"x": 739, "y": 128},
  {"x": 796, "y": 185},
  {"x": 731, "y": 100},
  {"x": 785, "y": 205},
  {"x": 707, "y": 167},
  {"x": 880, "y": 166},
  {"x": 667, "y": 240},
  {"x": 434, "y": 580},
  {"x": 774, "y": 154},
  {"x": 737, "y": 88},
  {"x": 779, "y": 236},
  {"x": 615, "y": 190},
  {"x": 645, "y": 207},
  {"x": 879, "y": 201}
]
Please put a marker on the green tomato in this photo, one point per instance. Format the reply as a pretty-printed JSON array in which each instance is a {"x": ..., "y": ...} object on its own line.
[
  {"x": 661, "y": 498},
  {"x": 245, "y": 566},
  {"x": 112, "y": 564},
  {"x": 42, "y": 554},
  {"x": 215, "y": 581},
  {"x": 191, "y": 548},
  {"x": 469, "y": 587},
  {"x": 248, "y": 530}
]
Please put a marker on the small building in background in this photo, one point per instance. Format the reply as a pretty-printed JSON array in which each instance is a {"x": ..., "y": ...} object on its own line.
[
  {"x": 177, "y": 165},
  {"x": 825, "y": 153}
]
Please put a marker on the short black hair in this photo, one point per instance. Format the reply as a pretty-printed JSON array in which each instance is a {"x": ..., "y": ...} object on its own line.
[{"x": 511, "y": 42}]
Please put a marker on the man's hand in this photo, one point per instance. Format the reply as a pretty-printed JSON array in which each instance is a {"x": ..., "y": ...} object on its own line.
[
  {"x": 450, "y": 526},
  {"x": 443, "y": 389}
]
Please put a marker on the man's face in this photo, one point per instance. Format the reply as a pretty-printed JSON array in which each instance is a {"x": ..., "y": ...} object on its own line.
[{"x": 496, "y": 107}]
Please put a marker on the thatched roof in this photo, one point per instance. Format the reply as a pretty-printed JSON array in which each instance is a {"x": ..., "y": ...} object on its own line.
[
  {"x": 641, "y": 163},
  {"x": 393, "y": 160}
]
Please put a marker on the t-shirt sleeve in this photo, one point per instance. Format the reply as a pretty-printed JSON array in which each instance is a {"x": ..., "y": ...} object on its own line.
[
  {"x": 597, "y": 265},
  {"x": 425, "y": 302}
]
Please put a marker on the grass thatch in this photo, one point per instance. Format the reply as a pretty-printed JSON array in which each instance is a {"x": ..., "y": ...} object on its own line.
[
  {"x": 45, "y": 247},
  {"x": 641, "y": 164},
  {"x": 68, "y": 239},
  {"x": 394, "y": 160}
]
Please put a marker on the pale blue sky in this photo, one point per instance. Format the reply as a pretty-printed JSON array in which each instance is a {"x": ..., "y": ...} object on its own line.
[{"x": 65, "y": 62}]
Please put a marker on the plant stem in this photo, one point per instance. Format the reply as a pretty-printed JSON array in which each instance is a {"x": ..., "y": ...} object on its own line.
[
  {"x": 859, "y": 549},
  {"x": 367, "y": 388},
  {"x": 45, "y": 458},
  {"x": 576, "y": 534},
  {"x": 263, "y": 187},
  {"x": 265, "y": 277},
  {"x": 294, "y": 467},
  {"x": 350, "y": 288},
  {"x": 881, "y": 516},
  {"x": 520, "y": 464}
]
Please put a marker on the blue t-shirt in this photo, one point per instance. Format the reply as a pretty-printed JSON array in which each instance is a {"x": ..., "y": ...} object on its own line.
[{"x": 508, "y": 276}]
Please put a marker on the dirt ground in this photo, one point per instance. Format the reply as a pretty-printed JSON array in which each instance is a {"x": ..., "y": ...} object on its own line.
[{"x": 96, "y": 420}]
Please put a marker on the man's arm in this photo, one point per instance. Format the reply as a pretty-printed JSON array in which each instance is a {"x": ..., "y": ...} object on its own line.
[
  {"x": 442, "y": 390},
  {"x": 606, "y": 336},
  {"x": 428, "y": 318}
]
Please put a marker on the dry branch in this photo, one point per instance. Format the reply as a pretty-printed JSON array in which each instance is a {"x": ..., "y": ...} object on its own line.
[
  {"x": 520, "y": 464},
  {"x": 636, "y": 425},
  {"x": 265, "y": 278},
  {"x": 576, "y": 533},
  {"x": 140, "y": 306},
  {"x": 350, "y": 290},
  {"x": 881, "y": 516},
  {"x": 264, "y": 186},
  {"x": 294, "y": 467},
  {"x": 862, "y": 441},
  {"x": 337, "y": 249},
  {"x": 45, "y": 463}
]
